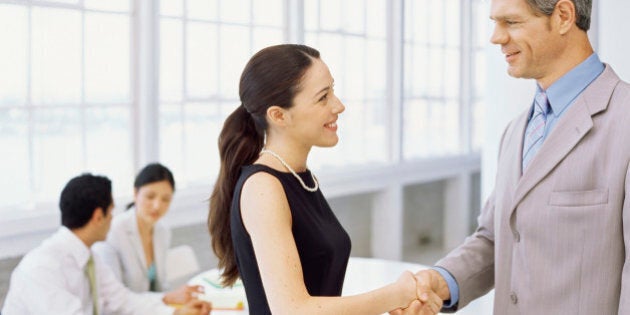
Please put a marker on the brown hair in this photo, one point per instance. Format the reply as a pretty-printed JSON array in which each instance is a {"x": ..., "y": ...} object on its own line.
[{"x": 271, "y": 77}]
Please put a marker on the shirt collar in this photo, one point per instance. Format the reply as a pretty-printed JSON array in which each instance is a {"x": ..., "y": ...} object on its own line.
[
  {"x": 79, "y": 252},
  {"x": 566, "y": 89}
]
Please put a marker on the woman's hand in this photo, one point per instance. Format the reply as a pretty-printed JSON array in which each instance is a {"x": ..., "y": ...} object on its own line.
[{"x": 407, "y": 287}]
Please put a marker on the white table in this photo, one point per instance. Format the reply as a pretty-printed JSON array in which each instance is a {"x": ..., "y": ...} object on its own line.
[{"x": 362, "y": 275}]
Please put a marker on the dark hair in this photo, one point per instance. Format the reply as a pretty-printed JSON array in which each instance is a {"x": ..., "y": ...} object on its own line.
[
  {"x": 81, "y": 196},
  {"x": 154, "y": 172},
  {"x": 271, "y": 77},
  {"x": 582, "y": 10}
]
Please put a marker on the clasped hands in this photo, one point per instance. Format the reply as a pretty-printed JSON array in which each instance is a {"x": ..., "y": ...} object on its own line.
[
  {"x": 186, "y": 299},
  {"x": 429, "y": 290}
]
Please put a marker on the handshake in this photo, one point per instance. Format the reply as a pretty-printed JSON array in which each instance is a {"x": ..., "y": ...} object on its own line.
[{"x": 423, "y": 293}]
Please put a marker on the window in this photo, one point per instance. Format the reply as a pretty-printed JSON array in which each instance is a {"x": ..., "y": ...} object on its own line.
[
  {"x": 432, "y": 80},
  {"x": 69, "y": 100},
  {"x": 351, "y": 37},
  {"x": 66, "y": 99},
  {"x": 204, "y": 46}
]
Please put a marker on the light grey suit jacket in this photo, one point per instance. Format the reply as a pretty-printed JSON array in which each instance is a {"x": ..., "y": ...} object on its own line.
[
  {"x": 555, "y": 240},
  {"x": 123, "y": 252}
]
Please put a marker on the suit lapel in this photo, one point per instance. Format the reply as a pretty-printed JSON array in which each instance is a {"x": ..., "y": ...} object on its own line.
[
  {"x": 571, "y": 128},
  {"x": 134, "y": 237}
]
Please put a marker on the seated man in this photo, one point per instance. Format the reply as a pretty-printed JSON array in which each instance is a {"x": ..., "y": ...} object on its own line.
[{"x": 62, "y": 277}]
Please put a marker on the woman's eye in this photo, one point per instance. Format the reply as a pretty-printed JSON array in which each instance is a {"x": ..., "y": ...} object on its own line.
[{"x": 324, "y": 97}]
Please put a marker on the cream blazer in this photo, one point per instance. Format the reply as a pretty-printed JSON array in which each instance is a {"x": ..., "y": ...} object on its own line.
[
  {"x": 123, "y": 252},
  {"x": 556, "y": 239}
]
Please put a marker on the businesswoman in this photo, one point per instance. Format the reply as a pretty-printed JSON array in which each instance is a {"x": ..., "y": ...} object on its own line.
[
  {"x": 269, "y": 222},
  {"x": 138, "y": 241}
]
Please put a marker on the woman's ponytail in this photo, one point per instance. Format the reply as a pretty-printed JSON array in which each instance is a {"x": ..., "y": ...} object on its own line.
[{"x": 240, "y": 143}]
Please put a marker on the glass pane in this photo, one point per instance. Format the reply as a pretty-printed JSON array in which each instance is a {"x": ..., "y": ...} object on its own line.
[
  {"x": 236, "y": 11},
  {"x": 479, "y": 73},
  {"x": 376, "y": 25},
  {"x": 107, "y": 73},
  {"x": 57, "y": 150},
  {"x": 330, "y": 15},
  {"x": 63, "y": 1},
  {"x": 109, "y": 5},
  {"x": 171, "y": 140},
  {"x": 355, "y": 66},
  {"x": 56, "y": 49},
  {"x": 377, "y": 64},
  {"x": 202, "y": 128},
  {"x": 202, "y": 9},
  {"x": 13, "y": 58},
  {"x": 478, "y": 111},
  {"x": 109, "y": 149},
  {"x": 353, "y": 16},
  {"x": 436, "y": 22},
  {"x": 436, "y": 70},
  {"x": 15, "y": 158},
  {"x": 264, "y": 37},
  {"x": 452, "y": 78},
  {"x": 481, "y": 22},
  {"x": 453, "y": 24},
  {"x": 171, "y": 60},
  {"x": 417, "y": 70},
  {"x": 418, "y": 16},
  {"x": 416, "y": 136},
  {"x": 171, "y": 7},
  {"x": 311, "y": 15},
  {"x": 444, "y": 128},
  {"x": 201, "y": 62},
  {"x": 269, "y": 12},
  {"x": 233, "y": 57}
]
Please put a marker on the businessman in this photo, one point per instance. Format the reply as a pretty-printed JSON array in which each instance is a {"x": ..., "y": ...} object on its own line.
[
  {"x": 62, "y": 277},
  {"x": 554, "y": 236}
]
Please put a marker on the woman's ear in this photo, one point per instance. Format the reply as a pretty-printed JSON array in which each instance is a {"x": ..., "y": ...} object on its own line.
[{"x": 277, "y": 115}]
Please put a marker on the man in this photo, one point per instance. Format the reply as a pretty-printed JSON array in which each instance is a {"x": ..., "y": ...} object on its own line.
[
  {"x": 553, "y": 236},
  {"x": 62, "y": 277}
]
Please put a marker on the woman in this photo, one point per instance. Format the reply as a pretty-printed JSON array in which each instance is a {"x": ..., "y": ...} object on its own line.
[
  {"x": 138, "y": 242},
  {"x": 269, "y": 222}
]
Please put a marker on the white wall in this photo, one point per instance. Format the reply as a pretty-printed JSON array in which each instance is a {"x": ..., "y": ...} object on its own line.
[{"x": 614, "y": 46}]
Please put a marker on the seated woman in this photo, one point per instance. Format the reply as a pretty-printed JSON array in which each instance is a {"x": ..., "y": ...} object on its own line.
[
  {"x": 138, "y": 242},
  {"x": 269, "y": 221}
]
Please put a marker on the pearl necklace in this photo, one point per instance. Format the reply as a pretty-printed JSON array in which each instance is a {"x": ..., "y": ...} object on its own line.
[{"x": 274, "y": 154}]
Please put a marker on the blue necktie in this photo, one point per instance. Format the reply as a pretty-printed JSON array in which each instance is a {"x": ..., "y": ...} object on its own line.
[{"x": 535, "y": 128}]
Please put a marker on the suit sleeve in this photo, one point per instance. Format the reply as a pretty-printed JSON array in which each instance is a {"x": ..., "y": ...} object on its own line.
[
  {"x": 472, "y": 263},
  {"x": 624, "y": 298}
]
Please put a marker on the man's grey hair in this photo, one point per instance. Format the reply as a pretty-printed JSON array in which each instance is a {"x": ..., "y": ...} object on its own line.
[{"x": 582, "y": 10}]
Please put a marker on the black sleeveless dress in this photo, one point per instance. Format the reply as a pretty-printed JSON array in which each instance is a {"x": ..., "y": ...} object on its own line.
[{"x": 322, "y": 243}]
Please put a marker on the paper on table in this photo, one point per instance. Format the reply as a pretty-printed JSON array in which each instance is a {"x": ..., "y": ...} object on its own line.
[{"x": 229, "y": 298}]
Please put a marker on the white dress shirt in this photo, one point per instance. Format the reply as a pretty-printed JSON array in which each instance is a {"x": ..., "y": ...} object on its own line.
[{"x": 51, "y": 279}]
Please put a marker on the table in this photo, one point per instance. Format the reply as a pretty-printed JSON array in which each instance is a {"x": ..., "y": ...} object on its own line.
[{"x": 362, "y": 275}]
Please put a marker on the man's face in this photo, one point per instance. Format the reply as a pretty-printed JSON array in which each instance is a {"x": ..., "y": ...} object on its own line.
[
  {"x": 528, "y": 40},
  {"x": 106, "y": 222}
]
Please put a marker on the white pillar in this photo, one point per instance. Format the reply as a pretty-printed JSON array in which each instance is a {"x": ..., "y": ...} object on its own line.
[{"x": 387, "y": 223}]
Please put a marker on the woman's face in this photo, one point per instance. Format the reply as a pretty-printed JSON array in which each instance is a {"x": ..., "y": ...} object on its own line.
[
  {"x": 313, "y": 118},
  {"x": 152, "y": 201}
]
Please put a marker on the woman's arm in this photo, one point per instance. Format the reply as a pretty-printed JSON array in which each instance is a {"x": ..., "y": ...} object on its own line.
[{"x": 267, "y": 218}]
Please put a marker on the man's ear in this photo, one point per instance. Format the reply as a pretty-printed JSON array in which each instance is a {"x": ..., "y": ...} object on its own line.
[
  {"x": 277, "y": 115},
  {"x": 97, "y": 215},
  {"x": 565, "y": 16}
]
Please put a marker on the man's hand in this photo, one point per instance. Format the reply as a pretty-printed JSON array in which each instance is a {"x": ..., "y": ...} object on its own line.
[
  {"x": 431, "y": 289},
  {"x": 194, "y": 307},
  {"x": 182, "y": 294}
]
